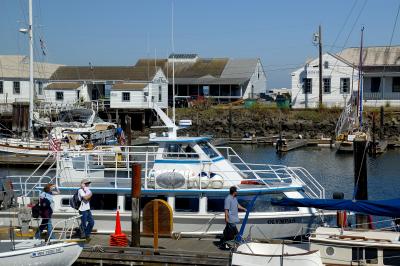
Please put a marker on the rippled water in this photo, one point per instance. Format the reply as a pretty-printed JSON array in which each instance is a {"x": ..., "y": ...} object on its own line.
[{"x": 334, "y": 171}]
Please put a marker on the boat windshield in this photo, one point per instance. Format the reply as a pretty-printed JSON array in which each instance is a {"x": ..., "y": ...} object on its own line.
[
  {"x": 206, "y": 147},
  {"x": 176, "y": 150}
]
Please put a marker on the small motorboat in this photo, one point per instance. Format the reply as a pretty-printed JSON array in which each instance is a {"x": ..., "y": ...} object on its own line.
[{"x": 255, "y": 254}]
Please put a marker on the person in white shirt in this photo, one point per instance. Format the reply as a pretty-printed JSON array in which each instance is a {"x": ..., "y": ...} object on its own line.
[{"x": 85, "y": 195}]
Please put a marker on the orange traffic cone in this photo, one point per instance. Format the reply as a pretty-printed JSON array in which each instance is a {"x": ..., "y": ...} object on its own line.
[{"x": 118, "y": 239}]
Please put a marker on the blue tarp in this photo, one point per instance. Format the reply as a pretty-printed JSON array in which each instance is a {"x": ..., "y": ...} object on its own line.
[{"x": 390, "y": 208}]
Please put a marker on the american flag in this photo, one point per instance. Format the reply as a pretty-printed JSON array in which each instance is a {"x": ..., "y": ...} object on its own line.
[
  {"x": 122, "y": 138},
  {"x": 54, "y": 144}
]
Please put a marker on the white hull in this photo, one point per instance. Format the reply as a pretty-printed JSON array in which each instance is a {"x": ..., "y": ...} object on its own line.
[
  {"x": 255, "y": 254},
  {"x": 19, "y": 146},
  {"x": 259, "y": 226},
  {"x": 60, "y": 254}
]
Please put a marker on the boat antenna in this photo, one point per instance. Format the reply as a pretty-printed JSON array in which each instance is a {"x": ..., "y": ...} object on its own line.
[
  {"x": 360, "y": 78},
  {"x": 173, "y": 63}
]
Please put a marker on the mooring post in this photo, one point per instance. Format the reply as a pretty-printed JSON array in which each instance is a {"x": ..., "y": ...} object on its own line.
[
  {"x": 135, "y": 217},
  {"x": 360, "y": 176},
  {"x": 230, "y": 121},
  {"x": 128, "y": 130},
  {"x": 382, "y": 124},
  {"x": 373, "y": 151}
]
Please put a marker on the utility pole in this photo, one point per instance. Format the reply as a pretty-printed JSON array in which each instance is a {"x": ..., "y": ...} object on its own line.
[{"x": 320, "y": 64}]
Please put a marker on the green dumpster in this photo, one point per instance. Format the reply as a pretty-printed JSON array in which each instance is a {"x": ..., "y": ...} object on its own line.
[
  {"x": 282, "y": 102},
  {"x": 248, "y": 103}
]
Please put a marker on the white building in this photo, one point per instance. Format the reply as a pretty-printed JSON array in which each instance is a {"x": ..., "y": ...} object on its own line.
[
  {"x": 381, "y": 78},
  {"x": 14, "y": 78},
  {"x": 121, "y": 87},
  {"x": 339, "y": 79},
  {"x": 221, "y": 79}
]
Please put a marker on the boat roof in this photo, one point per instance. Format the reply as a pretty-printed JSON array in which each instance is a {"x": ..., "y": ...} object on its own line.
[{"x": 180, "y": 139}]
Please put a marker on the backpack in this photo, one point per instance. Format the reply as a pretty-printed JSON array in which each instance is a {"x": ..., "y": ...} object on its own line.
[
  {"x": 75, "y": 201},
  {"x": 36, "y": 211},
  {"x": 45, "y": 208}
]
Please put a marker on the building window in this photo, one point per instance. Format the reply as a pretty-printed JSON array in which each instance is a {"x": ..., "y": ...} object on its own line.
[
  {"x": 1, "y": 87},
  {"x": 40, "y": 87},
  {"x": 159, "y": 93},
  {"x": 307, "y": 85},
  {"x": 16, "y": 87},
  {"x": 78, "y": 94},
  {"x": 59, "y": 96},
  {"x": 326, "y": 64},
  {"x": 126, "y": 97},
  {"x": 375, "y": 84},
  {"x": 396, "y": 84},
  {"x": 344, "y": 85},
  {"x": 327, "y": 85}
]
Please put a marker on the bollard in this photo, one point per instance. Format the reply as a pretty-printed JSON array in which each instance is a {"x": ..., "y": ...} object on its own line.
[
  {"x": 360, "y": 177},
  {"x": 135, "y": 217}
]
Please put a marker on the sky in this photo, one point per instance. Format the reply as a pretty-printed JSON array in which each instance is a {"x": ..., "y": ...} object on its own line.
[{"x": 118, "y": 32}]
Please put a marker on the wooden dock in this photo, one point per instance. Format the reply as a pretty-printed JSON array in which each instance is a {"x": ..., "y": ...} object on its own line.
[{"x": 184, "y": 251}]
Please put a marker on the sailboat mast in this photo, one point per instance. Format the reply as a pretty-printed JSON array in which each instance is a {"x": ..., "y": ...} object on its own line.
[
  {"x": 31, "y": 85},
  {"x": 173, "y": 65},
  {"x": 360, "y": 78}
]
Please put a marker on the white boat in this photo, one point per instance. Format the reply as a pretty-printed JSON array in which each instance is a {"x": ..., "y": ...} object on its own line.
[
  {"x": 356, "y": 247},
  {"x": 190, "y": 174},
  {"x": 34, "y": 252},
  {"x": 60, "y": 249},
  {"x": 255, "y": 254}
]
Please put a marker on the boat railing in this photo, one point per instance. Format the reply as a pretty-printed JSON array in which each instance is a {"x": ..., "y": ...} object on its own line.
[
  {"x": 115, "y": 165},
  {"x": 25, "y": 188},
  {"x": 67, "y": 229},
  {"x": 312, "y": 187}
]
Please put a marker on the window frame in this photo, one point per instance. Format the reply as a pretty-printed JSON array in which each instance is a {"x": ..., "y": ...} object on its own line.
[
  {"x": 342, "y": 83},
  {"x": 197, "y": 210},
  {"x": 159, "y": 93},
  {"x": 379, "y": 86},
  {"x": 39, "y": 87},
  {"x": 306, "y": 82},
  {"x": 125, "y": 99},
  {"x": 57, "y": 96},
  {"x": 15, "y": 87},
  {"x": 324, "y": 85},
  {"x": 396, "y": 87}
]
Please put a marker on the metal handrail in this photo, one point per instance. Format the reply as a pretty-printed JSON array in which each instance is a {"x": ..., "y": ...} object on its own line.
[{"x": 66, "y": 229}]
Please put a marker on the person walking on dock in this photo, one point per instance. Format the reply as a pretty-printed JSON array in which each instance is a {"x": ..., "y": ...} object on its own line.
[
  {"x": 231, "y": 207},
  {"x": 85, "y": 196},
  {"x": 46, "y": 204}
]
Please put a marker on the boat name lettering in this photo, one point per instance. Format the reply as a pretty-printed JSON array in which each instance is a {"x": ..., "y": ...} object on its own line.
[
  {"x": 46, "y": 252},
  {"x": 282, "y": 221}
]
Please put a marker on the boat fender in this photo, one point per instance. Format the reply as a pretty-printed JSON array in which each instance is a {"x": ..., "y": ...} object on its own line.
[{"x": 216, "y": 181}]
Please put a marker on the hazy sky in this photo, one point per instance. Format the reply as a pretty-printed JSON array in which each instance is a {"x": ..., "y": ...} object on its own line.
[{"x": 118, "y": 32}]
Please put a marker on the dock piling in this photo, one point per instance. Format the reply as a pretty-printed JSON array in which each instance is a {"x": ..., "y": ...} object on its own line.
[
  {"x": 135, "y": 217},
  {"x": 360, "y": 177}
]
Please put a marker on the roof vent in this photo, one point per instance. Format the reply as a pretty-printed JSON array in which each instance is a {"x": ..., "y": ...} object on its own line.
[{"x": 183, "y": 58}]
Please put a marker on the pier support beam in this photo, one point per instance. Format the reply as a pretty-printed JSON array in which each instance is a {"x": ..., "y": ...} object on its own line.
[
  {"x": 128, "y": 130},
  {"x": 135, "y": 191},
  {"x": 360, "y": 177}
]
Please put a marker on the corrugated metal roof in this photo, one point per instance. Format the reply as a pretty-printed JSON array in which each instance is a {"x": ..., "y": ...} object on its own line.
[
  {"x": 195, "y": 69},
  {"x": 239, "y": 68},
  {"x": 17, "y": 66},
  {"x": 129, "y": 86},
  {"x": 63, "y": 86},
  {"x": 105, "y": 73},
  {"x": 373, "y": 56}
]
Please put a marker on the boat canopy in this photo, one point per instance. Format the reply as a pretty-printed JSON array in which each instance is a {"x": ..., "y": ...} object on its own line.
[
  {"x": 389, "y": 208},
  {"x": 180, "y": 139}
]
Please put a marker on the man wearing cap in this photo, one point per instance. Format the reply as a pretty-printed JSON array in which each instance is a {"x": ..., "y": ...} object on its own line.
[{"x": 85, "y": 195}]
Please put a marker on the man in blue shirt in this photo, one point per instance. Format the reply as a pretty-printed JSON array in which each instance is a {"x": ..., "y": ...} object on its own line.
[{"x": 232, "y": 207}]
